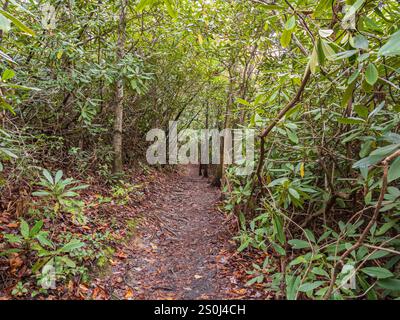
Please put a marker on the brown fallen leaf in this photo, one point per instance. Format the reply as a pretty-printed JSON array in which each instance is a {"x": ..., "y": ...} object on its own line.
[
  {"x": 128, "y": 294},
  {"x": 113, "y": 262},
  {"x": 15, "y": 263},
  {"x": 13, "y": 225},
  {"x": 70, "y": 286},
  {"x": 83, "y": 289},
  {"x": 99, "y": 294},
  {"x": 121, "y": 255},
  {"x": 240, "y": 291}
]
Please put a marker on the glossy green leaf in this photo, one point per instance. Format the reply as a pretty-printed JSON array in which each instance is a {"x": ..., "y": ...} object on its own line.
[
  {"x": 5, "y": 24},
  {"x": 360, "y": 42},
  {"x": 285, "y": 38},
  {"x": 390, "y": 284},
  {"x": 7, "y": 75},
  {"x": 24, "y": 229},
  {"x": 299, "y": 244},
  {"x": 394, "y": 170},
  {"x": 309, "y": 286},
  {"x": 352, "y": 10},
  {"x": 371, "y": 74},
  {"x": 367, "y": 162},
  {"x": 325, "y": 33},
  {"x": 48, "y": 176},
  {"x": 72, "y": 245},
  {"x": 377, "y": 272},
  {"x": 392, "y": 47},
  {"x": 290, "y": 23},
  {"x": 17, "y": 23},
  {"x": 350, "y": 120}
]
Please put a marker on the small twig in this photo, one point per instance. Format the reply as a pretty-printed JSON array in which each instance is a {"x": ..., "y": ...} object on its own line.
[{"x": 381, "y": 248}]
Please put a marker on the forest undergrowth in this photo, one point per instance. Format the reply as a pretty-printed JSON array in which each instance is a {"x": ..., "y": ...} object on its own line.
[{"x": 84, "y": 82}]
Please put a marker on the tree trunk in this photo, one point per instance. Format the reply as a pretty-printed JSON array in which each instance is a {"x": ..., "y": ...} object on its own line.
[
  {"x": 205, "y": 174},
  {"x": 119, "y": 94},
  {"x": 203, "y": 167},
  {"x": 219, "y": 176},
  {"x": 5, "y": 6}
]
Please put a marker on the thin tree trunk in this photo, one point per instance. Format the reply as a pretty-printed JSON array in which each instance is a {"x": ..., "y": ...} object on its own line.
[
  {"x": 219, "y": 178},
  {"x": 5, "y": 6},
  {"x": 119, "y": 94},
  {"x": 205, "y": 174}
]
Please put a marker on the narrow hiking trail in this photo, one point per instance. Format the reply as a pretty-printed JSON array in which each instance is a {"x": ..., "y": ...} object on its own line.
[{"x": 181, "y": 247}]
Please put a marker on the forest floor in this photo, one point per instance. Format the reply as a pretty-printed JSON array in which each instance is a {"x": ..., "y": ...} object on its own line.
[
  {"x": 165, "y": 237},
  {"x": 182, "y": 247}
]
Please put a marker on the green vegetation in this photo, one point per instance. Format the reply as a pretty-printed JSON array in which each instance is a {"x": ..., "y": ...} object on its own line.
[{"x": 82, "y": 82}]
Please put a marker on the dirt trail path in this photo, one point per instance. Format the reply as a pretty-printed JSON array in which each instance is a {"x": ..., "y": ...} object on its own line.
[{"x": 176, "y": 250}]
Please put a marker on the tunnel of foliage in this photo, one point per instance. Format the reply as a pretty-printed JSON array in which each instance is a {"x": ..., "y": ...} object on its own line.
[{"x": 82, "y": 82}]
